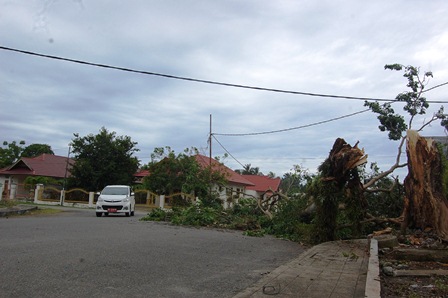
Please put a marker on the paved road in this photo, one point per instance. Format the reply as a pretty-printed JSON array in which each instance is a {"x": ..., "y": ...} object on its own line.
[{"x": 75, "y": 254}]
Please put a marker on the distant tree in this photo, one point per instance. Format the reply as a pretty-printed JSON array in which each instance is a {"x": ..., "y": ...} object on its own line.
[
  {"x": 271, "y": 174},
  {"x": 168, "y": 170},
  {"x": 295, "y": 181},
  {"x": 249, "y": 170},
  {"x": 103, "y": 159},
  {"x": 10, "y": 153},
  {"x": 36, "y": 150},
  {"x": 13, "y": 151},
  {"x": 171, "y": 173}
]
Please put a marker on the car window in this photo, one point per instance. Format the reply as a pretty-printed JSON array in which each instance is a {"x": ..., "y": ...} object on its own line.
[{"x": 115, "y": 191}]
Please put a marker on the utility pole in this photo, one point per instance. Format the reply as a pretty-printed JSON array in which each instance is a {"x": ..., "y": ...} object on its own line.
[
  {"x": 65, "y": 177},
  {"x": 210, "y": 142},
  {"x": 210, "y": 157}
]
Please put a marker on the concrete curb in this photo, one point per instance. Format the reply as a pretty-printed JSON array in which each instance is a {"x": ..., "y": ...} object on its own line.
[
  {"x": 15, "y": 210},
  {"x": 373, "y": 282}
]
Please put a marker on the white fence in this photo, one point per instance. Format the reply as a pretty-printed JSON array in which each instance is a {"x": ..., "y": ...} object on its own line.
[{"x": 53, "y": 196}]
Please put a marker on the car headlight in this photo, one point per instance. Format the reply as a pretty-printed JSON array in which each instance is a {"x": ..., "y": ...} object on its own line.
[
  {"x": 126, "y": 200},
  {"x": 100, "y": 199}
]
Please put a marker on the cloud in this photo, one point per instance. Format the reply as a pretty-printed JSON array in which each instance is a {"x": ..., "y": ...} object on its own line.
[{"x": 320, "y": 47}]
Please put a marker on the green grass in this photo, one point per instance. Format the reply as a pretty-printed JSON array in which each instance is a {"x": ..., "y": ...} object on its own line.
[
  {"x": 39, "y": 211},
  {"x": 7, "y": 203},
  {"x": 44, "y": 211}
]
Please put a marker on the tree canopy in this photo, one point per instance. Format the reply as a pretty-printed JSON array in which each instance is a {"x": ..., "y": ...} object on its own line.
[
  {"x": 10, "y": 153},
  {"x": 36, "y": 150},
  {"x": 13, "y": 151},
  {"x": 172, "y": 173},
  {"x": 103, "y": 159},
  {"x": 295, "y": 181},
  {"x": 249, "y": 170},
  {"x": 415, "y": 104}
]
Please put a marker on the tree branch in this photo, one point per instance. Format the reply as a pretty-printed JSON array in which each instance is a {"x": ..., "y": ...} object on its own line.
[
  {"x": 434, "y": 118},
  {"x": 390, "y": 189},
  {"x": 393, "y": 168}
]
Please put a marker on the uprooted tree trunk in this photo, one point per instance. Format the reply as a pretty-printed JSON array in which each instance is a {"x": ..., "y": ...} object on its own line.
[
  {"x": 339, "y": 183},
  {"x": 268, "y": 201},
  {"x": 426, "y": 205}
]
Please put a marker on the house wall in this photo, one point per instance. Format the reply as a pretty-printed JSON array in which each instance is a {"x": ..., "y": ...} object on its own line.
[
  {"x": 7, "y": 184},
  {"x": 252, "y": 193},
  {"x": 230, "y": 194},
  {"x": 13, "y": 186}
]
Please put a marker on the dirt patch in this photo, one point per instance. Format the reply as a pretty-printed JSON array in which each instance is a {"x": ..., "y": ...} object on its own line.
[
  {"x": 426, "y": 283},
  {"x": 404, "y": 276}
]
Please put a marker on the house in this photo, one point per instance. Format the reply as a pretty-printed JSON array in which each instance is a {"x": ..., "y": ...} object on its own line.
[
  {"x": 263, "y": 187},
  {"x": 140, "y": 175},
  {"x": 12, "y": 178},
  {"x": 236, "y": 184}
]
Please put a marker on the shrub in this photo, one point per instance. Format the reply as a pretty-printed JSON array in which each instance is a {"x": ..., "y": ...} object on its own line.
[
  {"x": 244, "y": 216},
  {"x": 158, "y": 215},
  {"x": 287, "y": 222}
]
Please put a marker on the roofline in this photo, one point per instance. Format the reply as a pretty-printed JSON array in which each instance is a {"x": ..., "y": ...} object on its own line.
[{"x": 19, "y": 160}]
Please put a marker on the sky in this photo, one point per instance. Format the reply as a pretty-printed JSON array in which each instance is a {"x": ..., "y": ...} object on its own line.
[{"x": 321, "y": 47}]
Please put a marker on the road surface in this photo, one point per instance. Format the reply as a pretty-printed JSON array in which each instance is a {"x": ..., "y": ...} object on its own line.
[{"x": 76, "y": 254}]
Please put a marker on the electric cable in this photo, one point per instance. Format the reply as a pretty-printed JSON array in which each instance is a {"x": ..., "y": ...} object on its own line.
[
  {"x": 200, "y": 80},
  {"x": 434, "y": 87},
  {"x": 289, "y": 129},
  {"x": 227, "y": 151}
]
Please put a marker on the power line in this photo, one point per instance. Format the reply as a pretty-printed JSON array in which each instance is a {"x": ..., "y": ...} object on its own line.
[
  {"x": 230, "y": 154},
  {"x": 289, "y": 129},
  {"x": 434, "y": 87},
  {"x": 199, "y": 80}
]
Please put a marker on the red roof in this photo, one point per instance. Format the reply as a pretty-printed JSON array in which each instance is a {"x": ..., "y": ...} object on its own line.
[
  {"x": 47, "y": 165},
  {"x": 263, "y": 183},
  {"x": 231, "y": 176},
  {"x": 142, "y": 173}
]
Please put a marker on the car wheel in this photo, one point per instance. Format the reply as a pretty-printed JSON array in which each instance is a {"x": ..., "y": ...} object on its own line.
[
  {"x": 106, "y": 213},
  {"x": 128, "y": 213},
  {"x": 98, "y": 214},
  {"x": 133, "y": 212}
]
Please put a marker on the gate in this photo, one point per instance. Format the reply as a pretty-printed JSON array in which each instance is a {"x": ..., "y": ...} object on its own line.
[
  {"x": 145, "y": 198},
  {"x": 76, "y": 195}
]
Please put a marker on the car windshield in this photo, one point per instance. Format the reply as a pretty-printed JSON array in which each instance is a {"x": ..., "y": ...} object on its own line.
[{"x": 115, "y": 191}]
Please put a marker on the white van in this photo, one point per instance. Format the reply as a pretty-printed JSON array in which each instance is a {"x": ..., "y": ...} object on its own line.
[{"x": 116, "y": 199}]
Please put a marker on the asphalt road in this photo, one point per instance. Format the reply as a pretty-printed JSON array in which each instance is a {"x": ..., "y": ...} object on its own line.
[{"x": 76, "y": 254}]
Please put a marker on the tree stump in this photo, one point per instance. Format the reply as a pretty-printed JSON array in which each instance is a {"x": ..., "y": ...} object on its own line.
[{"x": 426, "y": 205}]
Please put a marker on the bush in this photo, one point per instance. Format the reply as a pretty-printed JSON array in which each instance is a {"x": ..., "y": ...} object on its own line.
[
  {"x": 287, "y": 222},
  {"x": 195, "y": 215},
  {"x": 245, "y": 216},
  {"x": 158, "y": 215},
  {"x": 212, "y": 200}
]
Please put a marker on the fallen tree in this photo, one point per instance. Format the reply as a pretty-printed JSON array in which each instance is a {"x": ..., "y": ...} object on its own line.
[
  {"x": 339, "y": 183},
  {"x": 425, "y": 206}
]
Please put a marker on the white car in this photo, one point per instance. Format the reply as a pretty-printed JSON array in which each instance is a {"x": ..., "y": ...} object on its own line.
[{"x": 116, "y": 199}]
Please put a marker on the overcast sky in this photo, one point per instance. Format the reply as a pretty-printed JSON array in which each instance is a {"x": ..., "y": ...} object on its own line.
[{"x": 325, "y": 47}]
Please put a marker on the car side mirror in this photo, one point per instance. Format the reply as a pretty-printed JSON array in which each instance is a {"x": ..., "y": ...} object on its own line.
[{"x": 132, "y": 193}]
